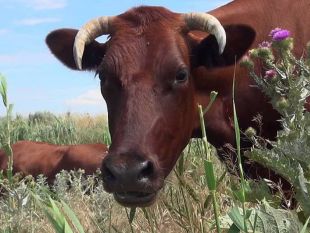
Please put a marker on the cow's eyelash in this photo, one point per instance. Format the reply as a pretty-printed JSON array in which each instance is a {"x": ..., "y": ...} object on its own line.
[
  {"x": 99, "y": 75},
  {"x": 96, "y": 74}
]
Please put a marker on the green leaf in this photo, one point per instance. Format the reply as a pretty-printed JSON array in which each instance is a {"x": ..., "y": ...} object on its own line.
[
  {"x": 67, "y": 228},
  {"x": 265, "y": 219},
  {"x": 236, "y": 217},
  {"x": 75, "y": 221},
  {"x": 3, "y": 90},
  {"x": 180, "y": 167},
  {"x": 10, "y": 109},
  {"x": 248, "y": 213},
  {"x": 239, "y": 194},
  {"x": 132, "y": 214},
  {"x": 305, "y": 227},
  {"x": 56, "y": 224},
  {"x": 209, "y": 171},
  {"x": 209, "y": 197},
  {"x": 213, "y": 95},
  {"x": 207, "y": 202},
  {"x": 233, "y": 229},
  {"x": 56, "y": 212}
]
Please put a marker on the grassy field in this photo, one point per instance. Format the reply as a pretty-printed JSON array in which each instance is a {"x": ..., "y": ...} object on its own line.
[
  {"x": 65, "y": 129},
  {"x": 183, "y": 205}
]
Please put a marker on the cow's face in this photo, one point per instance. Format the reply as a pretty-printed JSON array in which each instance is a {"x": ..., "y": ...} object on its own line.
[
  {"x": 145, "y": 72},
  {"x": 145, "y": 81}
]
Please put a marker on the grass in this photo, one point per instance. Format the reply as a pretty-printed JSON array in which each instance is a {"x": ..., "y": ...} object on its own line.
[
  {"x": 180, "y": 207},
  {"x": 183, "y": 205},
  {"x": 64, "y": 129}
]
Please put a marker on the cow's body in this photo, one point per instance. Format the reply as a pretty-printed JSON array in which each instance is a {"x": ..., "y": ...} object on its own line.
[
  {"x": 262, "y": 16},
  {"x": 154, "y": 70},
  {"x": 34, "y": 158}
]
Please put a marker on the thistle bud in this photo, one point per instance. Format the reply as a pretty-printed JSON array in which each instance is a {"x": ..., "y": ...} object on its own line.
[
  {"x": 270, "y": 75},
  {"x": 265, "y": 53},
  {"x": 247, "y": 62},
  {"x": 282, "y": 103},
  {"x": 250, "y": 132},
  {"x": 253, "y": 53}
]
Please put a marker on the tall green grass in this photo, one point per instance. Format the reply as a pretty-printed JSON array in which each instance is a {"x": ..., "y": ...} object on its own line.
[
  {"x": 61, "y": 129},
  {"x": 6, "y": 140}
]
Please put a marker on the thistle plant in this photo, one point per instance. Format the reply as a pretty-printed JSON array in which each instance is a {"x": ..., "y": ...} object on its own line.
[{"x": 286, "y": 81}]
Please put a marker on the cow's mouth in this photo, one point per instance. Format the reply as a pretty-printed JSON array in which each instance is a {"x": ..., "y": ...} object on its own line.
[{"x": 135, "y": 199}]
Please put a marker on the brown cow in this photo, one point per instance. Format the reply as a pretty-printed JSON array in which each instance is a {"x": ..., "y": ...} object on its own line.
[
  {"x": 157, "y": 66},
  {"x": 34, "y": 158}
]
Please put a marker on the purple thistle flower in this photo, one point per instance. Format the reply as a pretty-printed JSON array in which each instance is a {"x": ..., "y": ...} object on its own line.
[
  {"x": 279, "y": 34},
  {"x": 265, "y": 44},
  {"x": 270, "y": 74},
  {"x": 274, "y": 31}
]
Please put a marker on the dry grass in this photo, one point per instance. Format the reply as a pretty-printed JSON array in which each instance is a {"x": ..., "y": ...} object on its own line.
[{"x": 182, "y": 206}]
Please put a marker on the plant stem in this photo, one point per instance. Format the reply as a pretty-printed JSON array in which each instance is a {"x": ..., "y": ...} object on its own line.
[
  {"x": 211, "y": 181},
  {"x": 237, "y": 134}
]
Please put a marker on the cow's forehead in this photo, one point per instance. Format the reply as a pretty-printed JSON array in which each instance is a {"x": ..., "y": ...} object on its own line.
[
  {"x": 141, "y": 17},
  {"x": 157, "y": 48}
]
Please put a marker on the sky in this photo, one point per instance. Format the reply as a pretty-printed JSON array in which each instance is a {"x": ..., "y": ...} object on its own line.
[{"x": 37, "y": 81}]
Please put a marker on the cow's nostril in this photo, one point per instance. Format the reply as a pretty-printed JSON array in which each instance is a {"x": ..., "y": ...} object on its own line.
[
  {"x": 147, "y": 170},
  {"x": 107, "y": 173}
]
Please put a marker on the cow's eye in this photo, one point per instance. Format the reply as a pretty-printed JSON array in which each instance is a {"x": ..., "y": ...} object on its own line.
[{"x": 181, "y": 76}]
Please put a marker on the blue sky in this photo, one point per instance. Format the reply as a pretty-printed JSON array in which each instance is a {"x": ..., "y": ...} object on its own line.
[{"x": 39, "y": 82}]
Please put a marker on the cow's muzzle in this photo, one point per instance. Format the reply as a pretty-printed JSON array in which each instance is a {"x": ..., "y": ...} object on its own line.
[{"x": 133, "y": 180}]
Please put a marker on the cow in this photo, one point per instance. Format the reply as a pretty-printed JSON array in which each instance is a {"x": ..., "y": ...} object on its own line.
[
  {"x": 35, "y": 158},
  {"x": 157, "y": 65}
]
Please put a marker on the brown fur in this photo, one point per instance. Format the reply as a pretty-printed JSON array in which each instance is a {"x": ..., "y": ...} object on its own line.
[
  {"x": 34, "y": 158},
  {"x": 151, "y": 118}
]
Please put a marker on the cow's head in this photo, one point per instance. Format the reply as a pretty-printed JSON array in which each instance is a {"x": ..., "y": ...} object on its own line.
[{"x": 145, "y": 69}]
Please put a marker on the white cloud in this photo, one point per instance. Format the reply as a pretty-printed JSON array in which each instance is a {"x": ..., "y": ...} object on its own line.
[
  {"x": 45, "y": 4},
  {"x": 91, "y": 97},
  {"x": 3, "y": 31},
  {"x": 36, "y": 21}
]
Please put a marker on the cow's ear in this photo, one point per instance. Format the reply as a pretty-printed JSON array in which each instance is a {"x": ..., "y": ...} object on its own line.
[
  {"x": 61, "y": 41},
  {"x": 239, "y": 38}
]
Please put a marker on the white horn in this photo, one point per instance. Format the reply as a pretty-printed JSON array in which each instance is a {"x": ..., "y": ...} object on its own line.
[
  {"x": 88, "y": 33},
  {"x": 208, "y": 23}
]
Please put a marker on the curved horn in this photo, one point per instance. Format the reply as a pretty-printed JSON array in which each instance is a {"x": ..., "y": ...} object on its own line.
[
  {"x": 208, "y": 23},
  {"x": 89, "y": 32}
]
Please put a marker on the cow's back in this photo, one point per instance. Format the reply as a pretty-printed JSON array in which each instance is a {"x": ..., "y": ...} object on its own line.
[
  {"x": 265, "y": 15},
  {"x": 86, "y": 156},
  {"x": 37, "y": 158}
]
